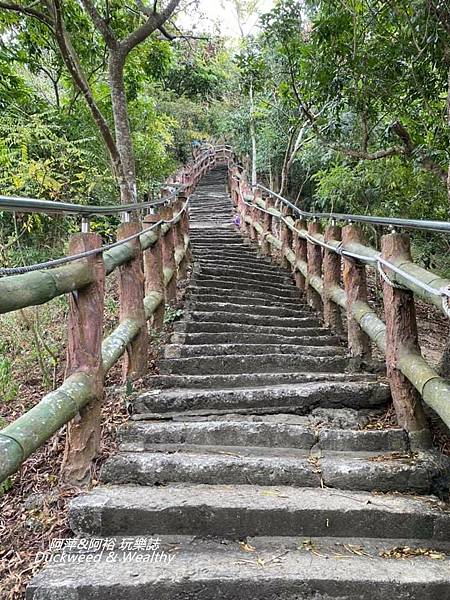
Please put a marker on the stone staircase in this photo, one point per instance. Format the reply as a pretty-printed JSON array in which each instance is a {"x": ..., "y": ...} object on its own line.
[{"x": 247, "y": 459}]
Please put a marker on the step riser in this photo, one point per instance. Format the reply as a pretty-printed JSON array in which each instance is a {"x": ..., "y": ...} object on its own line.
[
  {"x": 235, "y": 338},
  {"x": 140, "y": 436},
  {"x": 236, "y": 364},
  {"x": 228, "y": 584},
  {"x": 249, "y": 380},
  {"x": 239, "y": 523},
  {"x": 229, "y": 468},
  {"x": 204, "y": 291},
  {"x": 267, "y": 321},
  {"x": 185, "y": 351},
  {"x": 215, "y": 327},
  {"x": 246, "y": 300},
  {"x": 236, "y": 274},
  {"x": 274, "y": 311},
  {"x": 261, "y": 290},
  {"x": 302, "y": 398}
]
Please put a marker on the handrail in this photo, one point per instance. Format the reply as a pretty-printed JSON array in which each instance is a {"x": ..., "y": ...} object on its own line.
[
  {"x": 27, "y": 205},
  {"x": 425, "y": 225},
  {"x": 396, "y": 339},
  {"x": 163, "y": 248}
]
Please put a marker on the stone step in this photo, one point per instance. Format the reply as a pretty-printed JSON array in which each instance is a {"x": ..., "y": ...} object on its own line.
[
  {"x": 254, "y": 309},
  {"x": 186, "y": 350},
  {"x": 304, "y": 397},
  {"x": 141, "y": 435},
  {"x": 243, "y": 363},
  {"x": 243, "y": 274},
  {"x": 277, "y": 568},
  {"x": 261, "y": 268},
  {"x": 267, "y": 321},
  {"x": 246, "y": 298},
  {"x": 218, "y": 327},
  {"x": 239, "y": 511},
  {"x": 366, "y": 471},
  {"x": 248, "y": 338},
  {"x": 249, "y": 379},
  {"x": 289, "y": 293},
  {"x": 204, "y": 290},
  {"x": 230, "y": 239}
]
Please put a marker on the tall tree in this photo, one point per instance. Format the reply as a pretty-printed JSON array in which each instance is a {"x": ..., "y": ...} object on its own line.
[{"x": 120, "y": 33}]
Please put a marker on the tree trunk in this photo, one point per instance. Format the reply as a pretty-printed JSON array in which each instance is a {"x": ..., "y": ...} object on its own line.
[
  {"x": 253, "y": 138},
  {"x": 128, "y": 187}
]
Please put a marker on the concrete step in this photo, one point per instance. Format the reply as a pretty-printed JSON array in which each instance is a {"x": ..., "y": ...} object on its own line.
[
  {"x": 279, "y": 568},
  {"x": 212, "y": 382},
  {"x": 216, "y": 327},
  {"x": 254, "y": 309},
  {"x": 252, "y": 338},
  {"x": 267, "y": 321},
  {"x": 185, "y": 350},
  {"x": 256, "y": 284},
  {"x": 205, "y": 290},
  {"x": 247, "y": 274},
  {"x": 138, "y": 436},
  {"x": 259, "y": 290},
  {"x": 304, "y": 397},
  {"x": 243, "y": 363},
  {"x": 258, "y": 263},
  {"x": 245, "y": 298},
  {"x": 387, "y": 472},
  {"x": 239, "y": 511}
]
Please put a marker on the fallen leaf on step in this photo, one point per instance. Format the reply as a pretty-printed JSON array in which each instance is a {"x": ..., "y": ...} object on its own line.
[
  {"x": 401, "y": 552},
  {"x": 246, "y": 547}
]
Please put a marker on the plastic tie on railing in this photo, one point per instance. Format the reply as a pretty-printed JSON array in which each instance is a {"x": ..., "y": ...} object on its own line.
[
  {"x": 445, "y": 294},
  {"x": 387, "y": 279}
]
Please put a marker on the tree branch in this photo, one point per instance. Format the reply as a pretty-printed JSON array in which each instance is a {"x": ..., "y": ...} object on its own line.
[
  {"x": 154, "y": 21},
  {"x": 29, "y": 12},
  {"x": 100, "y": 24}
]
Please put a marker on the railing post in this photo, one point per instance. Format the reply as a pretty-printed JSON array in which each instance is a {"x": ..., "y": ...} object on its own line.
[
  {"x": 267, "y": 228},
  {"x": 285, "y": 237},
  {"x": 301, "y": 254},
  {"x": 182, "y": 235},
  {"x": 331, "y": 278},
  {"x": 153, "y": 270},
  {"x": 168, "y": 255},
  {"x": 355, "y": 285},
  {"x": 401, "y": 339},
  {"x": 84, "y": 354},
  {"x": 131, "y": 294},
  {"x": 314, "y": 257}
]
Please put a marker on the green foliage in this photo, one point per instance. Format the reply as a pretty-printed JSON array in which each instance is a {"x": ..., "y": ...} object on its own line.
[
  {"x": 8, "y": 387},
  {"x": 172, "y": 314}
]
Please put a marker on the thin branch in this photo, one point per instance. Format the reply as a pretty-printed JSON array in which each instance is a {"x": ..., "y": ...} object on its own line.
[
  {"x": 154, "y": 22},
  {"x": 100, "y": 24},
  {"x": 29, "y": 12}
]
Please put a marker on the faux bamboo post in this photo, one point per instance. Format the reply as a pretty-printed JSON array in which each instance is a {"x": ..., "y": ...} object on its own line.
[
  {"x": 84, "y": 355},
  {"x": 301, "y": 254},
  {"x": 354, "y": 276},
  {"x": 331, "y": 278},
  {"x": 153, "y": 271},
  {"x": 168, "y": 255},
  {"x": 243, "y": 207},
  {"x": 401, "y": 339},
  {"x": 267, "y": 228},
  {"x": 256, "y": 214},
  {"x": 314, "y": 258},
  {"x": 286, "y": 238},
  {"x": 184, "y": 234},
  {"x": 131, "y": 294}
]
